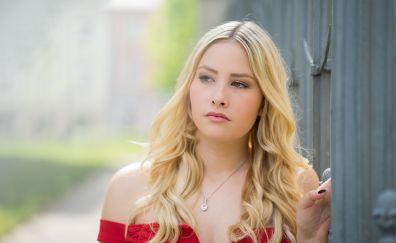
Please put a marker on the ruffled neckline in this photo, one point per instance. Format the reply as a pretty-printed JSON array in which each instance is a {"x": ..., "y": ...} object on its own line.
[{"x": 143, "y": 232}]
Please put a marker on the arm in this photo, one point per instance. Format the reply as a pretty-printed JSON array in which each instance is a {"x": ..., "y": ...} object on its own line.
[
  {"x": 125, "y": 187},
  {"x": 313, "y": 215},
  {"x": 307, "y": 180}
]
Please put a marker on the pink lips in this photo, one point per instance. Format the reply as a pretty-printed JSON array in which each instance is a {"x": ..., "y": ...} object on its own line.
[{"x": 217, "y": 117}]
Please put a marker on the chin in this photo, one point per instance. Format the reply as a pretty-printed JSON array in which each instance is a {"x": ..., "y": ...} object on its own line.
[{"x": 220, "y": 136}]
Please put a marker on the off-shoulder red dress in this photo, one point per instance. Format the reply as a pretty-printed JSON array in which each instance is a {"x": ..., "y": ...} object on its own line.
[{"x": 113, "y": 232}]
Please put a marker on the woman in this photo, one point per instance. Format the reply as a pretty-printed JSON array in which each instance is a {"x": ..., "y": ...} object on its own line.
[{"x": 222, "y": 164}]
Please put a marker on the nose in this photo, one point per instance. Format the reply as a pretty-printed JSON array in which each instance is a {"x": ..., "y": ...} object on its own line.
[
  {"x": 219, "y": 103},
  {"x": 219, "y": 98}
]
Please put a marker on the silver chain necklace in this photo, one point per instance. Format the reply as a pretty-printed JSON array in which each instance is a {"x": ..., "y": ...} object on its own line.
[{"x": 204, "y": 204}]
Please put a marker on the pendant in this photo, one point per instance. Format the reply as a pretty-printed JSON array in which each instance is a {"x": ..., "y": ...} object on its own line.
[{"x": 204, "y": 206}]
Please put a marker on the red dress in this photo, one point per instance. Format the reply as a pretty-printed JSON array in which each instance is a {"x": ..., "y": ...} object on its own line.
[{"x": 113, "y": 232}]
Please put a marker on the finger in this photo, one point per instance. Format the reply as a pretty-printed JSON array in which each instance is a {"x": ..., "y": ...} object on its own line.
[
  {"x": 309, "y": 199},
  {"x": 326, "y": 185}
]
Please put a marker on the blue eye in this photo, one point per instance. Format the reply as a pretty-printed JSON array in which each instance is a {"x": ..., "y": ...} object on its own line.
[{"x": 239, "y": 84}]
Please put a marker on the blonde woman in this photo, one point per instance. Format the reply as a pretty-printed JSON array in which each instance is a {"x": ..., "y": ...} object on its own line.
[{"x": 222, "y": 163}]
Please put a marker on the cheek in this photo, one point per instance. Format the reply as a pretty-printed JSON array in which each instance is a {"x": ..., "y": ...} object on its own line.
[
  {"x": 250, "y": 108},
  {"x": 192, "y": 97},
  {"x": 196, "y": 98}
]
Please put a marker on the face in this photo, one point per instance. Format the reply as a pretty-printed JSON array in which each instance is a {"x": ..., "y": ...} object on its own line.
[{"x": 225, "y": 98}]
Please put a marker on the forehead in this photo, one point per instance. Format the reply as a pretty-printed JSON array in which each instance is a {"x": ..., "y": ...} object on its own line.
[{"x": 226, "y": 55}]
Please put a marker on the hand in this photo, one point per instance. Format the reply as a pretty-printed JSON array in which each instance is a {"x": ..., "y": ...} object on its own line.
[{"x": 313, "y": 215}]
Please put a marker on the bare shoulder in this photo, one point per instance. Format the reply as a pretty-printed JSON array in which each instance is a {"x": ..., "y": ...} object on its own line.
[
  {"x": 126, "y": 186},
  {"x": 307, "y": 179}
]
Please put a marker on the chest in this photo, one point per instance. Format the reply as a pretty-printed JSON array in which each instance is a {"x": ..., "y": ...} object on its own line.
[{"x": 223, "y": 210}]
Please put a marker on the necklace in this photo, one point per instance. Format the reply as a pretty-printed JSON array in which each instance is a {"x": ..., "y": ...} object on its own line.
[{"x": 204, "y": 204}]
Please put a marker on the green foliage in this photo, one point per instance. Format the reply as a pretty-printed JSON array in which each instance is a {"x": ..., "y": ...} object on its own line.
[
  {"x": 27, "y": 185},
  {"x": 170, "y": 36},
  {"x": 78, "y": 152},
  {"x": 34, "y": 173}
]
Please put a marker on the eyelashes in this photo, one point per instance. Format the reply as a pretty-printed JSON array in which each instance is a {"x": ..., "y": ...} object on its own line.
[
  {"x": 239, "y": 84},
  {"x": 235, "y": 83},
  {"x": 205, "y": 78}
]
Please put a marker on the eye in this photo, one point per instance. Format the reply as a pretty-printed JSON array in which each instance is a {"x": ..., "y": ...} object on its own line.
[
  {"x": 205, "y": 78},
  {"x": 239, "y": 84}
]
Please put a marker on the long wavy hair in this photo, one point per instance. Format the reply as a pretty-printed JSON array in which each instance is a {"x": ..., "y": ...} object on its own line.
[{"x": 270, "y": 193}]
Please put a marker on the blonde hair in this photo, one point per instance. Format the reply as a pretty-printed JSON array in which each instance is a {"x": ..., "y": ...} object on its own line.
[{"x": 270, "y": 193}]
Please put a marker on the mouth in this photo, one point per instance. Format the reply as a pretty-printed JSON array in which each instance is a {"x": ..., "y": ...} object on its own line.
[{"x": 217, "y": 116}]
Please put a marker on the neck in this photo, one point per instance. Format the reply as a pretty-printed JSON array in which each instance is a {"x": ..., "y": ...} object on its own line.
[{"x": 219, "y": 157}]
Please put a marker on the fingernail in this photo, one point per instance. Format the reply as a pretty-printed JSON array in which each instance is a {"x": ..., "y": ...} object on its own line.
[{"x": 322, "y": 191}]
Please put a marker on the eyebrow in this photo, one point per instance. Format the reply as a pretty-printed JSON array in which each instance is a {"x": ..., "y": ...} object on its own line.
[{"x": 238, "y": 75}]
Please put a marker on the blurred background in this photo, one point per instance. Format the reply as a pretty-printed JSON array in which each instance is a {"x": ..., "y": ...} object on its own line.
[{"x": 80, "y": 79}]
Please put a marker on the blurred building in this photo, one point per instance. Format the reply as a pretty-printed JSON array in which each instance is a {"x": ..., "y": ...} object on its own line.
[
  {"x": 72, "y": 67},
  {"x": 132, "y": 103},
  {"x": 53, "y": 66}
]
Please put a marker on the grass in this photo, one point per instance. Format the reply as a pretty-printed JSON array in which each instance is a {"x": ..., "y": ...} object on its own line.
[{"x": 34, "y": 173}]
